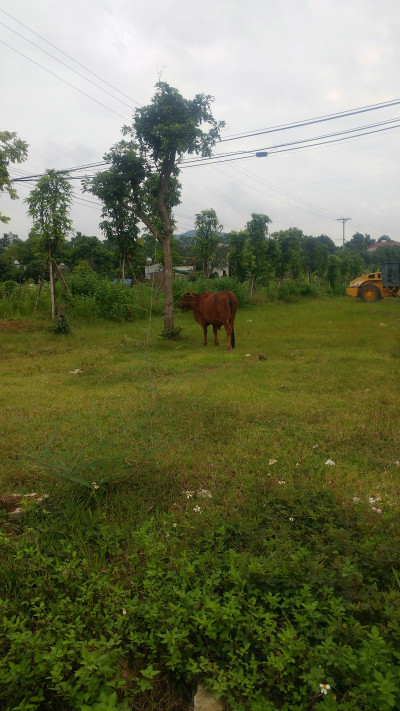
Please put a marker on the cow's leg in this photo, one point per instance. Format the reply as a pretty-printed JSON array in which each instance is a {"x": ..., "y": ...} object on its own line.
[
  {"x": 228, "y": 329},
  {"x": 215, "y": 329},
  {"x": 205, "y": 325}
]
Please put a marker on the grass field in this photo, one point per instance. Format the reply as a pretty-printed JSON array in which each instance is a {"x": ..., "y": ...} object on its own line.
[{"x": 116, "y": 446}]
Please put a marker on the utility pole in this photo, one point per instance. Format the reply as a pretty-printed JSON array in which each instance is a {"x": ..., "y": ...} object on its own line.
[{"x": 343, "y": 220}]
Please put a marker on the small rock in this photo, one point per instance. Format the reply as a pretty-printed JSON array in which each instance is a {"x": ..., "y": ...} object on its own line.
[
  {"x": 11, "y": 503},
  {"x": 205, "y": 700},
  {"x": 262, "y": 357}
]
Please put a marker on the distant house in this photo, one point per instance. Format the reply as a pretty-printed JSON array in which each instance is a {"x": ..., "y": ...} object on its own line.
[
  {"x": 376, "y": 246},
  {"x": 221, "y": 272},
  {"x": 152, "y": 271},
  {"x": 156, "y": 271}
]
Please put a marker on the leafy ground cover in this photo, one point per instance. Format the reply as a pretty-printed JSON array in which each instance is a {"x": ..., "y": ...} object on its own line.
[{"x": 194, "y": 529}]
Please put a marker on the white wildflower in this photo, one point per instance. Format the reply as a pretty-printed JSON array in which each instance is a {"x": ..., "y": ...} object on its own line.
[
  {"x": 324, "y": 688},
  {"x": 330, "y": 463}
]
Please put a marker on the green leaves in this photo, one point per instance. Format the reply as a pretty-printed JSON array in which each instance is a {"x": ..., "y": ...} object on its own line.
[
  {"x": 12, "y": 150},
  {"x": 48, "y": 205}
]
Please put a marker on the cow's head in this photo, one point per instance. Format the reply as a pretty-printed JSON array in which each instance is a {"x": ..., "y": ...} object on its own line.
[{"x": 188, "y": 300}]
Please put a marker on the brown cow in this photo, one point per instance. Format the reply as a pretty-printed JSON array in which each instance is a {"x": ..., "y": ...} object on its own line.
[{"x": 217, "y": 309}]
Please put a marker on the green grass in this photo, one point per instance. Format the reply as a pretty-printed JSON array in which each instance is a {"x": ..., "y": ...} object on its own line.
[{"x": 147, "y": 419}]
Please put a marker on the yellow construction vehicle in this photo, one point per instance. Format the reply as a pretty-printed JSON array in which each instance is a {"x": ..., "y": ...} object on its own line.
[{"x": 377, "y": 285}]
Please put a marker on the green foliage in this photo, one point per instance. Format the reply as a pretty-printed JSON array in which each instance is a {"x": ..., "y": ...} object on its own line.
[
  {"x": 207, "y": 238},
  {"x": 12, "y": 150},
  {"x": 8, "y": 287},
  {"x": 172, "y": 334},
  {"x": 292, "y": 291},
  {"x": 263, "y": 614},
  {"x": 62, "y": 327},
  {"x": 48, "y": 205}
]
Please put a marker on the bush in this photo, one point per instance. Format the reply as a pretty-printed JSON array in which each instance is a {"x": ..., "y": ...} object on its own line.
[
  {"x": 265, "y": 614},
  {"x": 8, "y": 287}
]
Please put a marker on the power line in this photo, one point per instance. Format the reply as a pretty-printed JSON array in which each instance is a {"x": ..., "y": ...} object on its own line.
[
  {"x": 286, "y": 193},
  {"x": 218, "y": 156},
  {"x": 69, "y": 57},
  {"x": 68, "y": 67},
  {"x": 309, "y": 122},
  {"x": 246, "y": 154},
  {"x": 64, "y": 80},
  {"x": 213, "y": 160},
  {"x": 286, "y": 202}
]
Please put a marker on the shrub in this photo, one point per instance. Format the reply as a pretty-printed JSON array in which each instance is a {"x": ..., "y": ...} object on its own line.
[{"x": 265, "y": 608}]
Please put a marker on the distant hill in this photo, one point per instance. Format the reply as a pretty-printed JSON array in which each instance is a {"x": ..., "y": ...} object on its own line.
[{"x": 189, "y": 233}]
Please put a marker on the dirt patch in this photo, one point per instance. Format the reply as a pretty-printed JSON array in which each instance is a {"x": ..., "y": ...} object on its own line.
[
  {"x": 9, "y": 502},
  {"x": 13, "y": 324}
]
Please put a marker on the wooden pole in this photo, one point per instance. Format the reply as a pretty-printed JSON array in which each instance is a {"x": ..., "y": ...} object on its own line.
[{"x": 61, "y": 276}]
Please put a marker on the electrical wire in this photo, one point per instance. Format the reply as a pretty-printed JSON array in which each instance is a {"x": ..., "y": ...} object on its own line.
[
  {"x": 309, "y": 122},
  {"x": 64, "y": 81},
  {"x": 68, "y": 67},
  {"x": 312, "y": 142},
  {"x": 285, "y": 193},
  {"x": 69, "y": 57},
  {"x": 271, "y": 150},
  {"x": 274, "y": 197}
]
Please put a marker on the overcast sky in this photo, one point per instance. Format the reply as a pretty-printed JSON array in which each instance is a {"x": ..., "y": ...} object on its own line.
[{"x": 267, "y": 63}]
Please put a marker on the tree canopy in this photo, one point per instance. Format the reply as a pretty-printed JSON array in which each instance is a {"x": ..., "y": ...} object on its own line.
[
  {"x": 12, "y": 150},
  {"x": 146, "y": 166}
]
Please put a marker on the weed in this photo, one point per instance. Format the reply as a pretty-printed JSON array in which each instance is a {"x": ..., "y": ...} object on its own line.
[{"x": 172, "y": 334}]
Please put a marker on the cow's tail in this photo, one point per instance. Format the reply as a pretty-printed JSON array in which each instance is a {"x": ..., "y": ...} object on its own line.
[{"x": 233, "y": 338}]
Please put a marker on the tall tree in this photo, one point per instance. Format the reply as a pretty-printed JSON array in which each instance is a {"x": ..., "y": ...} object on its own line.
[
  {"x": 257, "y": 229},
  {"x": 240, "y": 256},
  {"x": 160, "y": 135},
  {"x": 12, "y": 150},
  {"x": 49, "y": 205},
  {"x": 120, "y": 225},
  {"x": 208, "y": 231},
  {"x": 290, "y": 251}
]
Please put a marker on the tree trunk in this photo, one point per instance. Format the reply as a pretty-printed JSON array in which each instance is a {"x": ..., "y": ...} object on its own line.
[
  {"x": 168, "y": 293},
  {"x": 251, "y": 287},
  {"x": 52, "y": 291},
  {"x": 123, "y": 269}
]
